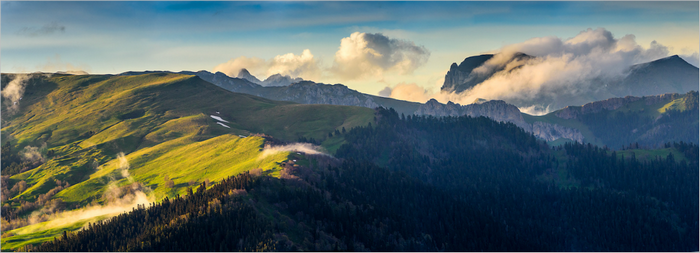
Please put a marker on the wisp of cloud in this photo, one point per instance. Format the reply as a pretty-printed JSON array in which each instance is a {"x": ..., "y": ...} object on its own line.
[{"x": 307, "y": 148}]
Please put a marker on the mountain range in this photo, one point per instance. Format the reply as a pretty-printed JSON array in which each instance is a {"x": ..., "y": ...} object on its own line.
[
  {"x": 670, "y": 74},
  {"x": 303, "y": 92},
  {"x": 273, "y": 80},
  {"x": 83, "y": 154}
]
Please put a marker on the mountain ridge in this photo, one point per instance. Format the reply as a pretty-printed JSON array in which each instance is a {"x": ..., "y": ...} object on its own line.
[{"x": 670, "y": 74}]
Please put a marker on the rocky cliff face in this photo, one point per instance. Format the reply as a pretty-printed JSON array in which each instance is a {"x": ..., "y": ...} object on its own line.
[
  {"x": 461, "y": 77},
  {"x": 503, "y": 112},
  {"x": 303, "y": 92},
  {"x": 307, "y": 92},
  {"x": 573, "y": 112},
  {"x": 273, "y": 80},
  {"x": 667, "y": 75},
  {"x": 280, "y": 80},
  {"x": 551, "y": 132}
]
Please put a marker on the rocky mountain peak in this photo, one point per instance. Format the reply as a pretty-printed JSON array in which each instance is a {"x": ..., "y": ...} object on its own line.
[
  {"x": 460, "y": 78},
  {"x": 280, "y": 80},
  {"x": 244, "y": 74}
]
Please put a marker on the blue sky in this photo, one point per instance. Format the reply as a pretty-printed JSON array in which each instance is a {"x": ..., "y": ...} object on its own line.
[{"x": 113, "y": 37}]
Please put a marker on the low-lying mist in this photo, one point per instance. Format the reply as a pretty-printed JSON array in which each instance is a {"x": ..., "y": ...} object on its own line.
[{"x": 307, "y": 148}]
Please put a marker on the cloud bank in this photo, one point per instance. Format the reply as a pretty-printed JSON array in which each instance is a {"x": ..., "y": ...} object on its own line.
[
  {"x": 560, "y": 69},
  {"x": 303, "y": 65},
  {"x": 569, "y": 68},
  {"x": 365, "y": 55}
]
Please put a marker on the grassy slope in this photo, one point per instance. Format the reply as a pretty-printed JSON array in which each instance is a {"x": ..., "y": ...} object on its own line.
[
  {"x": 162, "y": 123},
  {"x": 34, "y": 234}
]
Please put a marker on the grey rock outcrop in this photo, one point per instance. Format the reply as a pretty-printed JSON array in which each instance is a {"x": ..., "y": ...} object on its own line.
[
  {"x": 271, "y": 81},
  {"x": 462, "y": 77},
  {"x": 551, "y": 132},
  {"x": 503, "y": 112},
  {"x": 304, "y": 92},
  {"x": 280, "y": 80}
]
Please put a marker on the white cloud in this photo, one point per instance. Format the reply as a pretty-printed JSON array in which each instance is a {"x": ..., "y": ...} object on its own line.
[
  {"x": 303, "y": 65},
  {"x": 562, "y": 67},
  {"x": 306, "y": 148},
  {"x": 364, "y": 55},
  {"x": 409, "y": 92}
]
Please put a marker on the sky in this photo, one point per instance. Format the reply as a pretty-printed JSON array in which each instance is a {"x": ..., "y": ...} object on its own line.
[{"x": 397, "y": 49}]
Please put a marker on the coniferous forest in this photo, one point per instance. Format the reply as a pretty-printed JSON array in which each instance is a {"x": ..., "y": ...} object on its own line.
[{"x": 427, "y": 184}]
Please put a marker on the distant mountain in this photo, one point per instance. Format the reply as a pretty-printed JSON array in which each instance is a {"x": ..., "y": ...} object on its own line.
[
  {"x": 503, "y": 112},
  {"x": 273, "y": 80},
  {"x": 667, "y": 75},
  {"x": 244, "y": 74},
  {"x": 306, "y": 92},
  {"x": 462, "y": 77},
  {"x": 649, "y": 121},
  {"x": 280, "y": 80}
]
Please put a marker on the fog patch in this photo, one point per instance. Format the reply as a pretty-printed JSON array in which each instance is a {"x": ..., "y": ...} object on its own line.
[
  {"x": 118, "y": 199},
  {"x": 12, "y": 93},
  {"x": 33, "y": 154},
  {"x": 306, "y": 148}
]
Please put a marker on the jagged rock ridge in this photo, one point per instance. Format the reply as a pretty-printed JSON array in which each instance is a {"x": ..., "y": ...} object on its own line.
[
  {"x": 463, "y": 77},
  {"x": 501, "y": 111},
  {"x": 273, "y": 80}
]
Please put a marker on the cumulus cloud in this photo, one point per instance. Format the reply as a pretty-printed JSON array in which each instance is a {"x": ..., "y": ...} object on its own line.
[
  {"x": 561, "y": 68},
  {"x": 365, "y": 55},
  {"x": 231, "y": 68},
  {"x": 307, "y": 148},
  {"x": 303, "y": 65},
  {"x": 44, "y": 30},
  {"x": 410, "y": 92}
]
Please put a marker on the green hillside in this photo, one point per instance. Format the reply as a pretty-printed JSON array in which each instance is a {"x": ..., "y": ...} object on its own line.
[
  {"x": 163, "y": 125},
  {"x": 650, "y": 122}
]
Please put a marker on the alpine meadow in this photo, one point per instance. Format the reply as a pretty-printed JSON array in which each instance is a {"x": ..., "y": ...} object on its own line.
[{"x": 349, "y": 126}]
